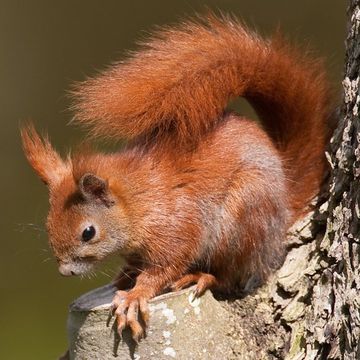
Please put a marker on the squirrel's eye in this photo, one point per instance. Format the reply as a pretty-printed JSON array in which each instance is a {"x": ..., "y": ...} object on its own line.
[{"x": 88, "y": 233}]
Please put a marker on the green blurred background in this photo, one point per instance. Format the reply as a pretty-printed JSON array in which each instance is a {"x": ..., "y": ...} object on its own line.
[{"x": 44, "y": 47}]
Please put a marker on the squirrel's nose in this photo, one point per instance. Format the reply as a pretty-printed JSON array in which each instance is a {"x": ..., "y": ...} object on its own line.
[{"x": 66, "y": 270}]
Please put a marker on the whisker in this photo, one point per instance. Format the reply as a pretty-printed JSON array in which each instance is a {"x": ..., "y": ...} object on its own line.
[
  {"x": 126, "y": 274},
  {"x": 111, "y": 271},
  {"x": 104, "y": 273},
  {"x": 21, "y": 227}
]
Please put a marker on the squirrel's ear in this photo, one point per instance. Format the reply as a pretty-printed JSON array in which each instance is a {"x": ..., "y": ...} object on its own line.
[
  {"x": 93, "y": 187},
  {"x": 46, "y": 162}
]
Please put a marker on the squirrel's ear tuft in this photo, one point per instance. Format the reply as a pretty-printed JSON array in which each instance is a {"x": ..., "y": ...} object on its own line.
[
  {"x": 93, "y": 187},
  {"x": 46, "y": 162}
]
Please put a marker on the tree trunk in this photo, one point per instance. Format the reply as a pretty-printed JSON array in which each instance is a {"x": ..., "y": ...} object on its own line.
[
  {"x": 326, "y": 320},
  {"x": 310, "y": 308}
]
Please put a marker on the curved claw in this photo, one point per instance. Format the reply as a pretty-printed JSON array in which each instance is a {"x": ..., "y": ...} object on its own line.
[
  {"x": 111, "y": 314},
  {"x": 144, "y": 310}
]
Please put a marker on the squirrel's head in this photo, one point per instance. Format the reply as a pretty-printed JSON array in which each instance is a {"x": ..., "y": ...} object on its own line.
[{"x": 87, "y": 221}]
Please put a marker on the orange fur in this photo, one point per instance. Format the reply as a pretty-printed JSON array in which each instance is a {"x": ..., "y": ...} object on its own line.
[
  {"x": 42, "y": 157},
  {"x": 196, "y": 191},
  {"x": 181, "y": 82}
]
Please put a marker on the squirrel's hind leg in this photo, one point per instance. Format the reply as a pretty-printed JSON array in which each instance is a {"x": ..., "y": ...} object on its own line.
[{"x": 202, "y": 280}]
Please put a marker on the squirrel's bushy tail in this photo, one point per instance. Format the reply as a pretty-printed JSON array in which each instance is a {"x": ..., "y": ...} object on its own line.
[{"x": 178, "y": 85}]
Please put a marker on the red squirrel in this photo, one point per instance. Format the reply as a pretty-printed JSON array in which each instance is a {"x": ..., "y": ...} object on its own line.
[{"x": 199, "y": 195}]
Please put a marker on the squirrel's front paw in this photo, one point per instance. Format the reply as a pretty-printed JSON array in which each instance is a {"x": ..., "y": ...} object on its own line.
[{"x": 130, "y": 308}]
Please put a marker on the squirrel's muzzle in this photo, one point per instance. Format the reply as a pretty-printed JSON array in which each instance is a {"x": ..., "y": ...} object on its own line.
[{"x": 67, "y": 269}]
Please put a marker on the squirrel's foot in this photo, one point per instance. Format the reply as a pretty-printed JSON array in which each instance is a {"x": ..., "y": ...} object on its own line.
[
  {"x": 202, "y": 280},
  {"x": 129, "y": 309}
]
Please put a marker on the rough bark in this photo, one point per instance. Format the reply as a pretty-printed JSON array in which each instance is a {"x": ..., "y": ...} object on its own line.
[
  {"x": 175, "y": 330},
  {"x": 310, "y": 308}
]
